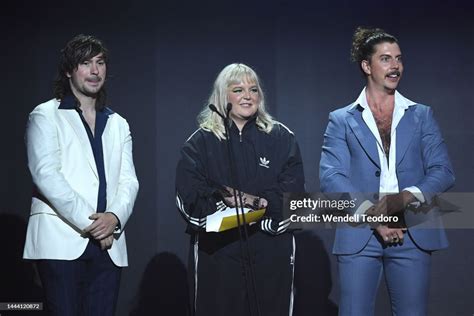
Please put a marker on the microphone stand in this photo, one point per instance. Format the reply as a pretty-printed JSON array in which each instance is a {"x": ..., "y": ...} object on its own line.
[{"x": 246, "y": 258}]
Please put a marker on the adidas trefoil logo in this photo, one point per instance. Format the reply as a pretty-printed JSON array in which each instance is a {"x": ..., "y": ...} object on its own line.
[{"x": 264, "y": 162}]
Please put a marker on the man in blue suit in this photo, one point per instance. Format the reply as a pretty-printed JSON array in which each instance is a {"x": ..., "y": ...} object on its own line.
[{"x": 386, "y": 151}]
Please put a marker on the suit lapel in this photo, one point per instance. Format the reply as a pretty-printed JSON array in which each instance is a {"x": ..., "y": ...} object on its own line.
[
  {"x": 107, "y": 145},
  {"x": 405, "y": 130},
  {"x": 78, "y": 127},
  {"x": 363, "y": 134}
]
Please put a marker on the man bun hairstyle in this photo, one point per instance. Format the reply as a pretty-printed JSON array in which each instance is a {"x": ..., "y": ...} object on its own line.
[{"x": 364, "y": 41}]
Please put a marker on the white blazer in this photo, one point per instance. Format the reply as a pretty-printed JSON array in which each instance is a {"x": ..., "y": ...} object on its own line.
[{"x": 63, "y": 169}]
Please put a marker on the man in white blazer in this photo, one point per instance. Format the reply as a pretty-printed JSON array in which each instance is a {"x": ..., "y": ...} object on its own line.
[{"x": 80, "y": 159}]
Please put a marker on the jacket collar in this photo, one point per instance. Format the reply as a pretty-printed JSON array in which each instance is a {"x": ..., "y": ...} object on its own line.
[
  {"x": 69, "y": 102},
  {"x": 252, "y": 122},
  {"x": 405, "y": 130}
]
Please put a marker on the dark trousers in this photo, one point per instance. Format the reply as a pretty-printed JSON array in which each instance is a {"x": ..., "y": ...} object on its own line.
[
  {"x": 219, "y": 284},
  {"x": 87, "y": 286}
]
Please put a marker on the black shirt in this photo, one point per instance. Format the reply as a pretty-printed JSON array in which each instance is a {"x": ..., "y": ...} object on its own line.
[{"x": 69, "y": 103}]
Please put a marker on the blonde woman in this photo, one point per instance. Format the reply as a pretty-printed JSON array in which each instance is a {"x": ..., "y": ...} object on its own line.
[{"x": 267, "y": 163}]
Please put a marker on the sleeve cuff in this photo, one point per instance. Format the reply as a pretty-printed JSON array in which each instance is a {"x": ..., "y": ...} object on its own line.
[
  {"x": 418, "y": 195},
  {"x": 363, "y": 207},
  {"x": 118, "y": 228}
]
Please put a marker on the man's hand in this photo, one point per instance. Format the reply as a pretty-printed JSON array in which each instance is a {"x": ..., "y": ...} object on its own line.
[
  {"x": 107, "y": 242},
  {"x": 392, "y": 204},
  {"x": 103, "y": 226},
  {"x": 391, "y": 235}
]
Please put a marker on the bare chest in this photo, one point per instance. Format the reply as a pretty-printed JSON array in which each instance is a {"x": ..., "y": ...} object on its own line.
[
  {"x": 90, "y": 120},
  {"x": 384, "y": 126}
]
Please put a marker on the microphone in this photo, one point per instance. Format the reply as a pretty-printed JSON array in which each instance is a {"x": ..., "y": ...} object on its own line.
[
  {"x": 248, "y": 269},
  {"x": 213, "y": 108},
  {"x": 228, "y": 109}
]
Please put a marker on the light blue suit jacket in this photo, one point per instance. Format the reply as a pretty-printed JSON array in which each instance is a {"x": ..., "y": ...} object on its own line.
[{"x": 350, "y": 163}]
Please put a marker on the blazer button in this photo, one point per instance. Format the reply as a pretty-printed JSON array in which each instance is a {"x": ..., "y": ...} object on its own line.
[
  {"x": 377, "y": 173},
  {"x": 376, "y": 196}
]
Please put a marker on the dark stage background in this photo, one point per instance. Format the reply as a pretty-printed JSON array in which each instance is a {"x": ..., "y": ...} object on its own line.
[{"x": 165, "y": 57}]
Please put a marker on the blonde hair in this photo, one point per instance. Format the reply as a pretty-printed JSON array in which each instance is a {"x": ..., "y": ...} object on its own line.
[{"x": 232, "y": 74}]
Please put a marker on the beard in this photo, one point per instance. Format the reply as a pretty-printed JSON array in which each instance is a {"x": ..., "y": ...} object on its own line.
[{"x": 85, "y": 89}]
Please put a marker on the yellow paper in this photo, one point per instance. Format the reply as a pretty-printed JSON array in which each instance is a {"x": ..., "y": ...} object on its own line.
[{"x": 230, "y": 222}]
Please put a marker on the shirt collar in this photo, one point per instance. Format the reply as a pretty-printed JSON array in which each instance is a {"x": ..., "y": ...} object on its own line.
[
  {"x": 400, "y": 101},
  {"x": 69, "y": 103}
]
